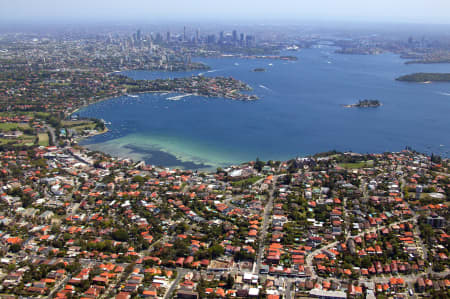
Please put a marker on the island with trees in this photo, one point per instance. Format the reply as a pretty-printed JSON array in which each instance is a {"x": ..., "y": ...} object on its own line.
[
  {"x": 365, "y": 104},
  {"x": 425, "y": 77}
]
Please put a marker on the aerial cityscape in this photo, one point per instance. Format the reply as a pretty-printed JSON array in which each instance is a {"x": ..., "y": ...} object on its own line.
[{"x": 228, "y": 150}]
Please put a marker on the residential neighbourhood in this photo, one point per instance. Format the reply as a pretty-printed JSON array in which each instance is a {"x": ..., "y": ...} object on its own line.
[{"x": 76, "y": 223}]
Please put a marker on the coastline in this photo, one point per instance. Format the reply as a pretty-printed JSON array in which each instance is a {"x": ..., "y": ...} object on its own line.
[
  {"x": 158, "y": 151},
  {"x": 94, "y": 102},
  {"x": 183, "y": 94},
  {"x": 81, "y": 138}
]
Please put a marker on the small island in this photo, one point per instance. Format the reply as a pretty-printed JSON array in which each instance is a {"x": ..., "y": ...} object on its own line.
[
  {"x": 365, "y": 104},
  {"x": 260, "y": 69},
  {"x": 425, "y": 77}
]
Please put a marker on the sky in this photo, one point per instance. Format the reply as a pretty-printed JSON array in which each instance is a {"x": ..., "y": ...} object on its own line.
[{"x": 419, "y": 11}]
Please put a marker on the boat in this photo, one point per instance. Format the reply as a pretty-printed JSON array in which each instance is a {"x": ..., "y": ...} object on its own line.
[
  {"x": 292, "y": 48},
  {"x": 132, "y": 96}
]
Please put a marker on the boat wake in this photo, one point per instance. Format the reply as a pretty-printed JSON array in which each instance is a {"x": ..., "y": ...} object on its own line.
[
  {"x": 443, "y": 93},
  {"x": 264, "y": 87},
  {"x": 177, "y": 98},
  {"x": 211, "y": 71}
]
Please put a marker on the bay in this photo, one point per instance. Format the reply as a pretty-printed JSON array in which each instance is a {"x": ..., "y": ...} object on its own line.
[{"x": 299, "y": 112}]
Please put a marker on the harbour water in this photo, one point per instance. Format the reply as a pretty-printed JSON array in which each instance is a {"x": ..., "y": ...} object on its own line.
[{"x": 299, "y": 112}]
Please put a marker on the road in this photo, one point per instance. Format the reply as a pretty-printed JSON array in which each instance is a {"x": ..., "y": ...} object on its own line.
[
  {"x": 51, "y": 132},
  {"x": 111, "y": 289},
  {"x": 181, "y": 272},
  {"x": 288, "y": 292},
  {"x": 266, "y": 217},
  {"x": 58, "y": 286},
  {"x": 148, "y": 251}
]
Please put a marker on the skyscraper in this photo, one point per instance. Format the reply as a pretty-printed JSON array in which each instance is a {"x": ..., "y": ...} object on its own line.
[{"x": 138, "y": 35}]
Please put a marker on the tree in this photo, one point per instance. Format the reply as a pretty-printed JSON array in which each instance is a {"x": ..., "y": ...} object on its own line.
[
  {"x": 216, "y": 251},
  {"x": 230, "y": 281},
  {"x": 259, "y": 164},
  {"x": 138, "y": 179},
  {"x": 15, "y": 248},
  {"x": 120, "y": 235}
]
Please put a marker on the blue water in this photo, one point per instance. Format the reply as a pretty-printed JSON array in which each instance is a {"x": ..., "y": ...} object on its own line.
[{"x": 299, "y": 112}]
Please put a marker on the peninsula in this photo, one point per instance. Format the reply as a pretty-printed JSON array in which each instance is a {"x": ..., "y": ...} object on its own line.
[
  {"x": 425, "y": 77},
  {"x": 365, "y": 104},
  {"x": 228, "y": 88}
]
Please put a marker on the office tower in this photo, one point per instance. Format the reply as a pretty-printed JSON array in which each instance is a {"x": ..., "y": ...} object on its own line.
[
  {"x": 197, "y": 36},
  {"x": 234, "y": 36},
  {"x": 138, "y": 35}
]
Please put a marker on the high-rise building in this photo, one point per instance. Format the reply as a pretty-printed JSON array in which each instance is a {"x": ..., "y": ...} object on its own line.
[
  {"x": 249, "y": 40},
  {"x": 168, "y": 36},
  {"x": 159, "y": 38},
  {"x": 211, "y": 39},
  {"x": 221, "y": 37},
  {"x": 197, "y": 36},
  {"x": 184, "y": 33},
  {"x": 139, "y": 35},
  {"x": 242, "y": 39},
  {"x": 235, "y": 38}
]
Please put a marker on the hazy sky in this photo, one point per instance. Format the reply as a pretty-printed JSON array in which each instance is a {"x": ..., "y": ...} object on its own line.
[{"x": 428, "y": 11}]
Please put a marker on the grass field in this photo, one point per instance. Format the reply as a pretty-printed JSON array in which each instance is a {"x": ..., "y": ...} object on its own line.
[
  {"x": 43, "y": 139},
  {"x": 357, "y": 165},
  {"x": 28, "y": 113},
  {"x": 72, "y": 123},
  {"x": 79, "y": 125},
  {"x": 4, "y": 127}
]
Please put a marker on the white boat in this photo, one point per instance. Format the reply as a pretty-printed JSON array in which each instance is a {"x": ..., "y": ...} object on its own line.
[{"x": 292, "y": 48}]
